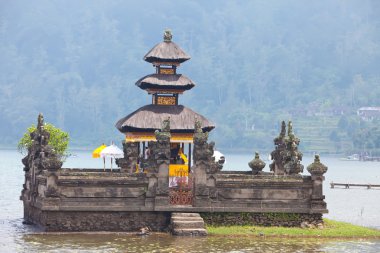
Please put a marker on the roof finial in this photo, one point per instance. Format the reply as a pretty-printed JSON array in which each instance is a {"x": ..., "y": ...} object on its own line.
[{"x": 168, "y": 35}]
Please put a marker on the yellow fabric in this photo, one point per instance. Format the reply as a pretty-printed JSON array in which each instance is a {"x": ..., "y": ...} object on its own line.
[
  {"x": 96, "y": 152},
  {"x": 178, "y": 170},
  {"x": 146, "y": 136},
  {"x": 182, "y": 155}
]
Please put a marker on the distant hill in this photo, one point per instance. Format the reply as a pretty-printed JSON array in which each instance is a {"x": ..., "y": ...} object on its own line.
[{"x": 255, "y": 63}]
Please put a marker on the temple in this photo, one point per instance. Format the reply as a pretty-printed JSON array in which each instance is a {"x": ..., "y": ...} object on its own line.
[
  {"x": 168, "y": 179},
  {"x": 165, "y": 86}
]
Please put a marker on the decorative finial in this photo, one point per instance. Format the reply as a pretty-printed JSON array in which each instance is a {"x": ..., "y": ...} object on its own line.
[
  {"x": 317, "y": 168},
  {"x": 283, "y": 129},
  {"x": 290, "y": 128},
  {"x": 168, "y": 35},
  {"x": 256, "y": 164},
  {"x": 40, "y": 122},
  {"x": 317, "y": 159}
]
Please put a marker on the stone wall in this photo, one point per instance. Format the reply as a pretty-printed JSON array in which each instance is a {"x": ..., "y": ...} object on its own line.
[
  {"x": 263, "y": 219},
  {"x": 97, "y": 220}
]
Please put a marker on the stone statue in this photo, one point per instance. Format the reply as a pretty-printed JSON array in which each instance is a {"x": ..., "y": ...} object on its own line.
[
  {"x": 203, "y": 152},
  {"x": 40, "y": 154},
  {"x": 256, "y": 164},
  {"x": 291, "y": 156},
  {"x": 286, "y": 157},
  {"x": 41, "y": 157},
  {"x": 161, "y": 149},
  {"x": 277, "y": 166}
]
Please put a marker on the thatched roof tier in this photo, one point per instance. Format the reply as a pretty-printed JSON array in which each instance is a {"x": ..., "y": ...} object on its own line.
[
  {"x": 163, "y": 81},
  {"x": 166, "y": 51},
  {"x": 150, "y": 117}
]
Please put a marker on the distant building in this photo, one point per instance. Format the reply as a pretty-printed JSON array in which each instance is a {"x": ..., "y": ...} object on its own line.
[
  {"x": 369, "y": 113},
  {"x": 314, "y": 109}
]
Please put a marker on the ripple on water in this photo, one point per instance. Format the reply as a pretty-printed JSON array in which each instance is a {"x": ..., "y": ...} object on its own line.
[{"x": 168, "y": 243}]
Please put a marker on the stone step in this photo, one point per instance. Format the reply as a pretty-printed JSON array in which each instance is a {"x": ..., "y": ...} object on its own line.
[
  {"x": 185, "y": 215},
  {"x": 188, "y": 224},
  {"x": 189, "y": 232},
  {"x": 187, "y": 219}
]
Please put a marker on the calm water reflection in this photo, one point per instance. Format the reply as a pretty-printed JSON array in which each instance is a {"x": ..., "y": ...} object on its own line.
[{"x": 359, "y": 206}]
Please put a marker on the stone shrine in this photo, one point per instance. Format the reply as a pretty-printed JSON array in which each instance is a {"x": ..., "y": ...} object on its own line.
[{"x": 168, "y": 172}]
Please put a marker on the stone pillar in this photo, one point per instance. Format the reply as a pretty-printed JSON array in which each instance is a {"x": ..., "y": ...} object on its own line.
[
  {"x": 161, "y": 154},
  {"x": 203, "y": 163},
  {"x": 51, "y": 185},
  {"x": 317, "y": 169}
]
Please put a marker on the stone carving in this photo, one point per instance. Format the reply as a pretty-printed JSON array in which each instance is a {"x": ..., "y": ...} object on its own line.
[
  {"x": 41, "y": 156},
  {"x": 161, "y": 149},
  {"x": 168, "y": 35},
  {"x": 131, "y": 154},
  {"x": 52, "y": 191},
  {"x": 291, "y": 156},
  {"x": 256, "y": 164},
  {"x": 277, "y": 166},
  {"x": 286, "y": 156},
  {"x": 317, "y": 168},
  {"x": 203, "y": 152}
]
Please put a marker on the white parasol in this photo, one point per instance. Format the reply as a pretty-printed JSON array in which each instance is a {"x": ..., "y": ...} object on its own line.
[{"x": 112, "y": 151}]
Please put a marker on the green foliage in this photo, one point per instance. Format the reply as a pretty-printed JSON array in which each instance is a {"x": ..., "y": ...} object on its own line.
[
  {"x": 331, "y": 229},
  {"x": 250, "y": 73},
  {"x": 59, "y": 140}
]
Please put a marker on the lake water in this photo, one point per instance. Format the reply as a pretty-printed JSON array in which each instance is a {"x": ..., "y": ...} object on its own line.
[{"x": 358, "y": 206}]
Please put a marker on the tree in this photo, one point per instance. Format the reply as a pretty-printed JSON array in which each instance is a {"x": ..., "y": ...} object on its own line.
[{"x": 59, "y": 140}]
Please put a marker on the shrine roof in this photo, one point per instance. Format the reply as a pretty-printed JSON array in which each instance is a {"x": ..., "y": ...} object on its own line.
[
  {"x": 150, "y": 117},
  {"x": 166, "y": 51},
  {"x": 163, "y": 81}
]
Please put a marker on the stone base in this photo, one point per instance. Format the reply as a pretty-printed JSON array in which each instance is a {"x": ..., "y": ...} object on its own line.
[
  {"x": 262, "y": 219},
  {"x": 98, "y": 221}
]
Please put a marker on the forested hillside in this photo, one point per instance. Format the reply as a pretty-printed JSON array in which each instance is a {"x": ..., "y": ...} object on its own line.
[{"x": 254, "y": 63}]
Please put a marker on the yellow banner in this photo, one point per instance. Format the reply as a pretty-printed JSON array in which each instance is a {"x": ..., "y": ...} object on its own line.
[
  {"x": 178, "y": 170},
  {"x": 175, "y": 137}
]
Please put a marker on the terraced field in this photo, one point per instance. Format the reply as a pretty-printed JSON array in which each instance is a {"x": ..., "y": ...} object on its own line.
[{"x": 315, "y": 132}]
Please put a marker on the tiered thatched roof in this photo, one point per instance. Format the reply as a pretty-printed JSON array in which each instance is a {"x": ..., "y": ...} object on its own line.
[
  {"x": 150, "y": 117},
  {"x": 166, "y": 51},
  {"x": 162, "y": 81}
]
